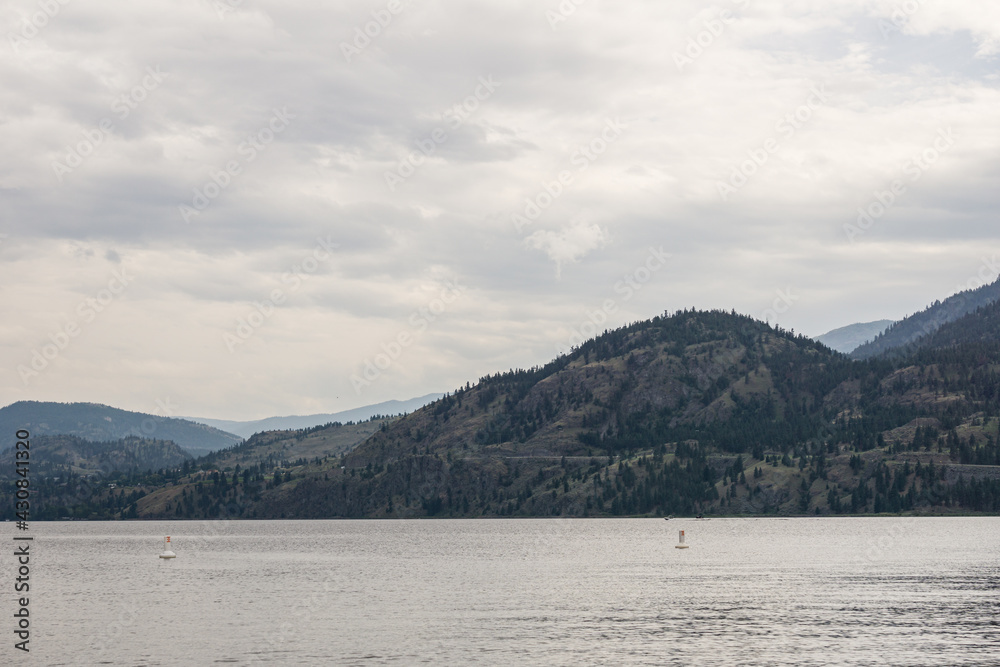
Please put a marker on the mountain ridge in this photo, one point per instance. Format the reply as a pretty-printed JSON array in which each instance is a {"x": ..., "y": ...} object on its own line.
[
  {"x": 102, "y": 423},
  {"x": 926, "y": 322},
  {"x": 247, "y": 428},
  {"x": 689, "y": 412},
  {"x": 848, "y": 338}
]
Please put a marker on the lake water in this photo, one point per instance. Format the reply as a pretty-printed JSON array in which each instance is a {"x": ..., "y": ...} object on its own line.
[{"x": 852, "y": 591}]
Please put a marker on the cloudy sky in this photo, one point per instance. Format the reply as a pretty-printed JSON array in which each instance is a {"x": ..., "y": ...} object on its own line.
[{"x": 243, "y": 208}]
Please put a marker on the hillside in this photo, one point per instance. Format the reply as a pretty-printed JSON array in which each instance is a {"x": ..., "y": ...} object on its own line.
[
  {"x": 76, "y": 478},
  {"x": 847, "y": 339},
  {"x": 981, "y": 326},
  {"x": 692, "y": 412},
  {"x": 912, "y": 328},
  {"x": 330, "y": 440},
  {"x": 59, "y": 455},
  {"x": 95, "y": 422}
]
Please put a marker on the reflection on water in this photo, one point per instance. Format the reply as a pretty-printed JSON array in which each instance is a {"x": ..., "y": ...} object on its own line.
[{"x": 859, "y": 591}]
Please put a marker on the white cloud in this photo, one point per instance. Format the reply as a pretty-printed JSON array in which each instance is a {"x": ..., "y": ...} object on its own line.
[{"x": 570, "y": 244}]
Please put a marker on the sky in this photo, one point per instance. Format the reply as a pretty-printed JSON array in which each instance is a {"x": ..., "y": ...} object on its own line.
[{"x": 244, "y": 208}]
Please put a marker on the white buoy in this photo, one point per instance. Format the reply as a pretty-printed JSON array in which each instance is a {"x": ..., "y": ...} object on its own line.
[
  {"x": 167, "y": 553},
  {"x": 681, "y": 545}
]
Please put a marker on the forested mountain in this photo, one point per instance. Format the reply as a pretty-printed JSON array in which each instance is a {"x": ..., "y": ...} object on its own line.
[
  {"x": 849, "y": 338},
  {"x": 95, "y": 422},
  {"x": 330, "y": 440},
  {"x": 912, "y": 328},
  {"x": 77, "y": 478},
  {"x": 59, "y": 455},
  {"x": 690, "y": 412},
  {"x": 981, "y": 326}
]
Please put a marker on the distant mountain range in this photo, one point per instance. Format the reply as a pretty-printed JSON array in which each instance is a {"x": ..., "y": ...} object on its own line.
[
  {"x": 101, "y": 423},
  {"x": 247, "y": 428},
  {"x": 847, "y": 339},
  {"x": 910, "y": 329}
]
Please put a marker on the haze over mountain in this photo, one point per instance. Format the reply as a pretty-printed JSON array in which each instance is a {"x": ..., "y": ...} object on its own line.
[
  {"x": 847, "y": 339},
  {"x": 929, "y": 320},
  {"x": 101, "y": 423},
  {"x": 247, "y": 428}
]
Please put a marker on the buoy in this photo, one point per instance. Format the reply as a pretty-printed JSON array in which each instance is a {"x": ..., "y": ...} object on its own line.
[
  {"x": 681, "y": 545},
  {"x": 167, "y": 553}
]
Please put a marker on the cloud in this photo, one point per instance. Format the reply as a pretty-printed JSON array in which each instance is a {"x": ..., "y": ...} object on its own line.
[
  {"x": 81, "y": 90},
  {"x": 570, "y": 244}
]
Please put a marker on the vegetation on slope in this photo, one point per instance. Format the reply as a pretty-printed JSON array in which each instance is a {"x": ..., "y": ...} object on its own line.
[{"x": 692, "y": 412}]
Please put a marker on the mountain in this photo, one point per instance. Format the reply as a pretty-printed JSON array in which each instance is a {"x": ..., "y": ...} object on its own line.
[
  {"x": 979, "y": 327},
  {"x": 847, "y": 339},
  {"x": 690, "y": 412},
  {"x": 269, "y": 449},
  {"x": 247, "y": 428},
  {"x": 926, "y": 322},
  {"x": 95, "y": 422},
  {"x": 59, "y": 455}
]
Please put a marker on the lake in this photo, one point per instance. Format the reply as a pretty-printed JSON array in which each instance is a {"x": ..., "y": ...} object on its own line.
[{"x": 823, "y": 591}]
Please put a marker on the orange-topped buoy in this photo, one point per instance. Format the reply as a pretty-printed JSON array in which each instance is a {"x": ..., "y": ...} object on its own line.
[
  {"x": 167, "y": 553},
  {"x": 681, "y": 544}
]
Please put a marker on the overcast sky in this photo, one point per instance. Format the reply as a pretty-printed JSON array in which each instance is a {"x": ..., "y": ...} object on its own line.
[{"x": 233, "y": 208}]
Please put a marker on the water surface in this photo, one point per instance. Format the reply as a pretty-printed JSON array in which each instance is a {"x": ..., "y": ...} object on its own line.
[{"x": 851, "y": 591}]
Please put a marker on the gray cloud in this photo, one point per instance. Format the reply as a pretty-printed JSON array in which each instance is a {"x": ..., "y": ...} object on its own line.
[{"x": 135, "y": 148}]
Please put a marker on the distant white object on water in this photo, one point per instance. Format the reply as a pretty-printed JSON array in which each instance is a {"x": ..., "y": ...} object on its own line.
[
  {"x": 681, "y": 545},
  {"x": 167, "y": 553}
]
